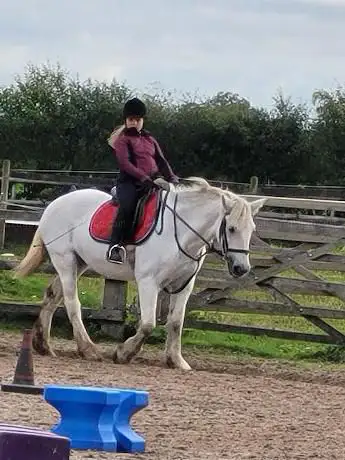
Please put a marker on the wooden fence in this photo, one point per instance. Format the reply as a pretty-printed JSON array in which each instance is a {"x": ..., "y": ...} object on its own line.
[
  {"x": 293, "y": 263},
  {"x": 304, "y": 191},
  {"x": 216, "y": 291}
]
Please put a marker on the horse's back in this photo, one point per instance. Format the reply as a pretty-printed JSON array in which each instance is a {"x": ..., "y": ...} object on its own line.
[{"x": 70, "y": 210}]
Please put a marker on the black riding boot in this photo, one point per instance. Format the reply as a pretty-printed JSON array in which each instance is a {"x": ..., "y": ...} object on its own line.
[
  {"x": 128, "y": 196},
  {"x": 116, "y": 251}
]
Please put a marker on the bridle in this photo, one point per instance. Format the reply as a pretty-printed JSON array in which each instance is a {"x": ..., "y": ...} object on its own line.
[
  {"x": 225, "y": 244},
  {"x": 224, "y": 253}
]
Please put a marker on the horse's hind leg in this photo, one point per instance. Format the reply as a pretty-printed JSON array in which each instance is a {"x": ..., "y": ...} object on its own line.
[
  {"x": 53, "y": 297},
  {"x": 68, "y": 269},
  {"x": 42, "y": 326}
]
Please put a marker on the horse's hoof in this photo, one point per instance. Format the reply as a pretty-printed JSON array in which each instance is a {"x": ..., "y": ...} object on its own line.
[
  {"x": 90, "y": 354},
  {"x": 116, "y": 358},
  {"x": 119, "y": 357},
  {"x": 51, "y": 353},
  {"x": 39, "y": 343},
  {"x": 179, "y": 363},
  {"x": 42, "y": 348}
]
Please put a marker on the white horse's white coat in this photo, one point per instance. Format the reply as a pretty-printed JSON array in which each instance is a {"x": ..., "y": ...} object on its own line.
[{"x": 157, "y": 263}]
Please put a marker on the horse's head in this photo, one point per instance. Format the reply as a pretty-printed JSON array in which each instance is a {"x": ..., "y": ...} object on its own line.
[
  {"x": 229, "y": 223},
  {"x": 236, "y": 231}
]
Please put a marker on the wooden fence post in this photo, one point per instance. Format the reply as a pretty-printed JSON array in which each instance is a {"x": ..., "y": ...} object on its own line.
[
  {"x": 5, "y": 182},
  {"x": 253, "y": 185},
  {"x": 113, "y": 309}
]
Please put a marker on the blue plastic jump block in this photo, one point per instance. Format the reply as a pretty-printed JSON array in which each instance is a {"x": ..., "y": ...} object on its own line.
[{"x": 97, "y": 418}]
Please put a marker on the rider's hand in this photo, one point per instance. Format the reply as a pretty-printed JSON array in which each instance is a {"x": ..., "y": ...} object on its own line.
[
  {"x": 146, "y": 185},
  {"x": 162, "y": 183},
  {"x": 175, "y": 180}
]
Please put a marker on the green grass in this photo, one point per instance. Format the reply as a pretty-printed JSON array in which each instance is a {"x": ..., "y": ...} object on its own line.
[
  {"x": 31, "y": 289},
  {"x": 265, "y": 347}
]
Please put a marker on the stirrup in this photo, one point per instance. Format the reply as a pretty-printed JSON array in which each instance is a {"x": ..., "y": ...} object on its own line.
[{"x": 122, "y": 255}]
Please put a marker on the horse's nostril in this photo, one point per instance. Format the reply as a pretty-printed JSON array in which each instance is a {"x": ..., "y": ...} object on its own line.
[{"x": 238, "y": 270}]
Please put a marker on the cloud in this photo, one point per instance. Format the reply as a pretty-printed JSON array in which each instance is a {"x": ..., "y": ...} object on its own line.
[{"x": 247, "y": 46}]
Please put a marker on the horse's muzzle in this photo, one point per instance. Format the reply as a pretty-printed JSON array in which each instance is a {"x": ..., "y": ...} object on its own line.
[{"x": 237, "y": 270}]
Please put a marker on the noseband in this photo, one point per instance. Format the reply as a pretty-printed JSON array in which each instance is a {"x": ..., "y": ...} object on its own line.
[{"x": 224, "y": 253}]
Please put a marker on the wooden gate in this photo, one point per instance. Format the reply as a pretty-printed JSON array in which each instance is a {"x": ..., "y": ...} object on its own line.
[{"x": 291, "y": 260}]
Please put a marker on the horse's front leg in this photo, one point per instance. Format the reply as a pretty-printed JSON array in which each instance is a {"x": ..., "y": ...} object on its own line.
[
  {"x": 148, "y": 294},
  {"x": 178, "y": 302}
]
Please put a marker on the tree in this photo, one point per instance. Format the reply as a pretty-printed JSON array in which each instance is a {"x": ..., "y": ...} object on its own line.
[
  {"x": 328, "y": 134},
  {"x": 49, "y": 120}
]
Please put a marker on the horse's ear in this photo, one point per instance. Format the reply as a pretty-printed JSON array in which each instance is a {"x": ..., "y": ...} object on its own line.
[
  {"x": 227, "y": 203},
  {"x": 257, "y": 205}
]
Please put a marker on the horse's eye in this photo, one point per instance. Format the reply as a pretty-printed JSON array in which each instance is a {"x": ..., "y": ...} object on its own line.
[{"x": 231, "y": 229}]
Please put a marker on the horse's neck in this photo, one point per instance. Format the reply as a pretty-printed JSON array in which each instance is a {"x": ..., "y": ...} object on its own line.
[{"x": 202, "y": 213}]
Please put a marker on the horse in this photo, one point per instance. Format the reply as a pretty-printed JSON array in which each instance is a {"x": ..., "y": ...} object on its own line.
[{"x": 175, "y": 230}]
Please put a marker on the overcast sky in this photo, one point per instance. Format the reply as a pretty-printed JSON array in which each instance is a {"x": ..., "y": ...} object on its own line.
[{"x": 252, "y": 47}]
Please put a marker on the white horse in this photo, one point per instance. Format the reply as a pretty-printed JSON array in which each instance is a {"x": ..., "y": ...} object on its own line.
[{"x": 193, "y": 219}]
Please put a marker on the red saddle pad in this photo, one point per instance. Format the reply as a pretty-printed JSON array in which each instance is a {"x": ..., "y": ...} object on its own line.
[{"x": 101, "y": 221}]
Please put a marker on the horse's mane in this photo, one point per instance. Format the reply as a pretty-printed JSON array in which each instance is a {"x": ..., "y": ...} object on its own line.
[
  {"x": 193, "y": 183},
  {"x": 238, "y": 208}
]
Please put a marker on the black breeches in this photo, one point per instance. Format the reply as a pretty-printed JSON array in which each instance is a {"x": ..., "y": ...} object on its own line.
[{"x": 128, "y": 195}]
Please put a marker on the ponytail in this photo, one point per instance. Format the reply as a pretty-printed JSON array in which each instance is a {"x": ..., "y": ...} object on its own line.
[{"x": 115, "y": 134}]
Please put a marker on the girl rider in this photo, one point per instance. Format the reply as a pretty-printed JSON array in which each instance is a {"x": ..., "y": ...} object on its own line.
[{"x": 142, "y": 166}]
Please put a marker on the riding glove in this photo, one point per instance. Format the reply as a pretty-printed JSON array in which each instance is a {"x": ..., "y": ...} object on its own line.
[{"x": 162, "y": 183}]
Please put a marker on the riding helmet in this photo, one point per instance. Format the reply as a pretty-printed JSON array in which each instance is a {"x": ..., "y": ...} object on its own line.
[{"x": 134, "y": 108}]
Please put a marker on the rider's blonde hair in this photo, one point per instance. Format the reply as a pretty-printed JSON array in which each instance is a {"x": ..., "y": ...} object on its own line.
[{"x": 115, "y": 134}]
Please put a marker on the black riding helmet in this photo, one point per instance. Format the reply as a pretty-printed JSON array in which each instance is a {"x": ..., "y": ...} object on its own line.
[{"x": 134, "y": 108}]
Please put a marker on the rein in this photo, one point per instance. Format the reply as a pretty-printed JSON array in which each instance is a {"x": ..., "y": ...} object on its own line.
[{"x": 224, "y": 253}]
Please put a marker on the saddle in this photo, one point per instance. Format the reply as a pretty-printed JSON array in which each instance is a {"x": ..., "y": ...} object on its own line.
[{"x": 145, "y": 220}]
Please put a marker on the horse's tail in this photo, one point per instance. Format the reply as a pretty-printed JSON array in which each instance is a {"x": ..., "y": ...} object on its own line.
[{"x": 33, "y": 258}]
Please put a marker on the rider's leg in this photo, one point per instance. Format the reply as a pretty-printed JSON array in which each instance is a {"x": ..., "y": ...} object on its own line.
[
  {"x": 128, "y": 196},
  {"x": 116, "y": 252}
]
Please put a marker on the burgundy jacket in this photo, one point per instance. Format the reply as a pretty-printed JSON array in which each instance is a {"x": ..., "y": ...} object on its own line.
[{"x": 139, "y": 156}]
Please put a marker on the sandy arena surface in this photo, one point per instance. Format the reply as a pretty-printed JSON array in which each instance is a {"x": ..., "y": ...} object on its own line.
[{"x": 225, "y": 409}]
